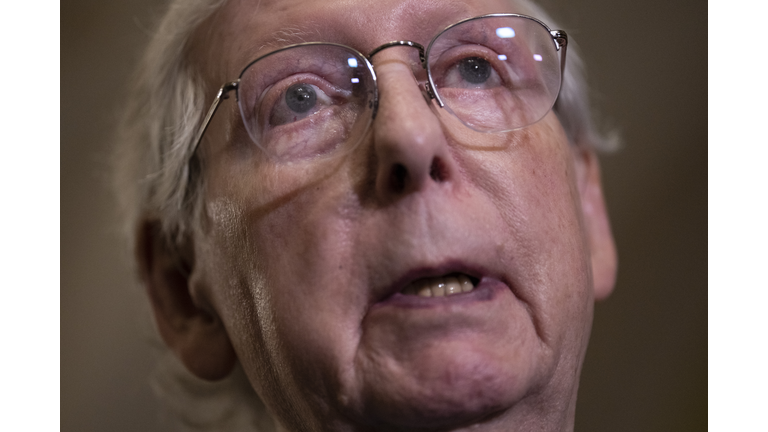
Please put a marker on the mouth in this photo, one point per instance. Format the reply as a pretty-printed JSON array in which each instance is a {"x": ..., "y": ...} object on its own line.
[
  {"x": 451, "y": 283},
  {"x": 441, "y": 286},
  {"x": 440, "y": 293}
]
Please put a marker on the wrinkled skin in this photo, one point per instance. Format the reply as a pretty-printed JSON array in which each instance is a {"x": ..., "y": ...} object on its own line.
[{"x": 295, "y": 265}]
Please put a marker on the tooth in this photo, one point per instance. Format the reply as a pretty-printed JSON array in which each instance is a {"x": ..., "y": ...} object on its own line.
[
  {"x": 423, "y": 290},
  {"x": 452, "y": 286},
  {"x": 466, "y": 284},
  {"x": 438, "y": 288}
]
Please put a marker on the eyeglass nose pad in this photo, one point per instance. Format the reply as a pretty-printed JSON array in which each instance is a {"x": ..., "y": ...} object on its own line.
[{"x": 429, "y": 92}]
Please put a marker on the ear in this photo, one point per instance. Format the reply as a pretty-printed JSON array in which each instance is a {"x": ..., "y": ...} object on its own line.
[
  {"x": 191, "y": 329},
  {"x": 601, "y": 243}
]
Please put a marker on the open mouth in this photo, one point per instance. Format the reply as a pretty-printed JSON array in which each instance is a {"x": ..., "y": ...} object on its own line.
[{"x": 442, "y": 286}]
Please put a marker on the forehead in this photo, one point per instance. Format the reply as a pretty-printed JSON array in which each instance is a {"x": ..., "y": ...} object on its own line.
[{"x": 244, "y": 29}]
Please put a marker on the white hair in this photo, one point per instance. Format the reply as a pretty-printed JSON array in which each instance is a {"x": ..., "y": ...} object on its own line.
[
  {"x": 154, "y": 180},
  {"x": 162, "y": 115}
]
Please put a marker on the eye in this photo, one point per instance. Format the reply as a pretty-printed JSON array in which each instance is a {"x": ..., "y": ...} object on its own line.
[
  {"x": 297, "y": 101},
  {"x": 300, "y": 98},
  {"x": 475, "y": 70},
  {"x": 470, "y": 67}
]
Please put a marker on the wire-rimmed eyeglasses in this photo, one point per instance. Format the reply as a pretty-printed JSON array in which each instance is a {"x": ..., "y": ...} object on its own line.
[{"x": 494, "y": 73}]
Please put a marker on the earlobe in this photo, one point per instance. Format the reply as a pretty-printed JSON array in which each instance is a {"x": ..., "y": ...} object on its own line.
[
  {"x": 192, "y": 331},
  {"x": 601, "y": 242}
]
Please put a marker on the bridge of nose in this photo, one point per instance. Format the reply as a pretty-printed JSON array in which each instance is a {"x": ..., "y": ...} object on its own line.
[{"x": 404, "y": 53}]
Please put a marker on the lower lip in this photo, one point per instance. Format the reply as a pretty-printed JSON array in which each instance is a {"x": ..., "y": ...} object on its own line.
[{"x": 486, "y": 290}]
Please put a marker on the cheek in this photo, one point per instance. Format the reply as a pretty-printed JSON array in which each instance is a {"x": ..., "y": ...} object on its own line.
[
  {"x": 234, "y": 278},
  {"x": 532, "y": 185},
  {"x": 288, "y": 295}
]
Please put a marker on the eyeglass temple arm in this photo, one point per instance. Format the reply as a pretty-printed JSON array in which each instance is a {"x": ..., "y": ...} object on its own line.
[
  {"x": 561, "y": 39},
  {"x": 222, "y": 94}
]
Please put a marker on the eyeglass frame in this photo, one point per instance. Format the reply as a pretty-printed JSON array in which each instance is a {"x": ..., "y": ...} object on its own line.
[{"x": 559, "y": 37}]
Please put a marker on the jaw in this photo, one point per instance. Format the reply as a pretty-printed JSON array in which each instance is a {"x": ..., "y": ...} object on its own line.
[{"x": 353, "y": 358}]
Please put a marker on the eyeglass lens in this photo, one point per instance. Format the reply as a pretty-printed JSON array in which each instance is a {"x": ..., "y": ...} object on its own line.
[
  {"x": 493, "y": 73},
  {"x": 306, "y": 101},
  {"x": 496, "y": 73}
]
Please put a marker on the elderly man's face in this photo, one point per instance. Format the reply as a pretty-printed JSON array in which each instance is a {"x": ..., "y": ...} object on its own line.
[{"x": 306, "y": 263}]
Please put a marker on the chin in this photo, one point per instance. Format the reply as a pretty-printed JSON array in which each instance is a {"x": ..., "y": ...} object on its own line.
[
  {"x": 451, "y": 382},
  {"x": 446, "y": 392}
]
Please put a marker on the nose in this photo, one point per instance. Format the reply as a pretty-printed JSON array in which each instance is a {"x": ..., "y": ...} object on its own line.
[{"x": 411, "y": 148}]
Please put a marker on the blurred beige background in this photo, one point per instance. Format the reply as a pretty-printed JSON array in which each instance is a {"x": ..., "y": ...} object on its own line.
[{"x": 646, "y": 369}]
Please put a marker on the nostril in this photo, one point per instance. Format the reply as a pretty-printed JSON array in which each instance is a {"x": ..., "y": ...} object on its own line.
[
  {"x": 398, "y": 178},
  {"x": 437, "y": 170},
  {"x": 401, "y": 179}
]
